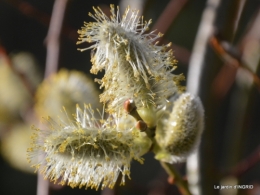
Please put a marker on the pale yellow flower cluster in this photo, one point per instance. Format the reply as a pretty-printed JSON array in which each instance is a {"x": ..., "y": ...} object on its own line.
[
  {"x": 11, "y": 89},
  {"x": 91, "y": 151},
  {"x": 134, "y": 66},
  {"x": 66, "y": 88}
]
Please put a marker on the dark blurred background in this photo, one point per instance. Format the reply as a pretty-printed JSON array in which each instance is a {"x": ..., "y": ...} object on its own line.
[{"x": 232, "y": 106}]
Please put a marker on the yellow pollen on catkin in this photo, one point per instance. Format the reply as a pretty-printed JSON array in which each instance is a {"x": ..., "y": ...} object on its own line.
[
  {"x": 127, "y": 53},
  {"x": 82, "y": 152}
]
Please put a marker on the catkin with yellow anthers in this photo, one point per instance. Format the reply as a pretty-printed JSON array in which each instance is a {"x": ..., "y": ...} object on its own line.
[
  {"x": 86, "y": 152},
  {"x": 179, "y": 131},
  {"x": 134, "y": 66}
]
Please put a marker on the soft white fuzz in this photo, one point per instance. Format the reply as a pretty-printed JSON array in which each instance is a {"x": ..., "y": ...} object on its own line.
[
  {"x": 87, "y": 152},
  {"x": 179, "y": 131},
  {"x": 134, "y": 66}
]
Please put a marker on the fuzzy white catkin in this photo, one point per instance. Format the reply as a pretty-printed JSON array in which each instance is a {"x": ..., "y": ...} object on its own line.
[
  {"x": 179, "y": 131},
  {"x": 65, "y": 88},
  {"x": 134, "y": 66},
  {"x": 87, "y": 151}
]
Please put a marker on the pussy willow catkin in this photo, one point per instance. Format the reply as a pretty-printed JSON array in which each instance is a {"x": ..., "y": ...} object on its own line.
[
  {"x": 134, "y": 66},
  {"x": 179, "y": 131},
  {"x": 87, "y": 152}
]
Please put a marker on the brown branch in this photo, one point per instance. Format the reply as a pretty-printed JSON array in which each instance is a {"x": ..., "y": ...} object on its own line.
[
  {"x": 229, "y": 54},
  {"x": 244, "y": 165},
  {"x": 224, "y": 81},
  {"x": 163, "y": 24},
  {"x": 131, "y": 109},
  {"x": 52, "y": 39},
  {"x": 52, "y": 42},
  {"x": 168, "y": 15},
  {"x": 108, "y": 191},
  {"x": 178, "y": 180},
  {"x": 237, "y": 122},
  {"x": 199, "y": 171},
  {"x": 32, "y": 12},
  {"x": 232, "y": 56},
  {"x": 42, "y": 185}
]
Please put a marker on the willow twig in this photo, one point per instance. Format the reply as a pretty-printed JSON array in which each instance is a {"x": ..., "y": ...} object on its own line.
[
  {"x": 243, "y": 95},
  {"x": 195, "y": 74},
  {"x": 108, "y": 191},
  {"x": 164, "y": 22},
  {"x": 231, "y": 56},
  {"x": 43, "y": 18},
  {"x": 178, "y": 180},
  {"x": 244, "y": 165},
  {"x": 52, "y": 42},
  {"x": 204, "y": 65},
  {"x": 52, "y": 39},
  {"x": 169, "y": 14}
]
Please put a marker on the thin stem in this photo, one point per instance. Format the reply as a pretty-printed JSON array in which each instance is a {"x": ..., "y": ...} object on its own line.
[
  {"x": 131, "y": 109},
  {"x": 182, "y": 185},
  {"x": 42, "y": 185},
  {"x": 43, "y": 18},
  {"x": 195, "y": 76},
  {"x": 108, "y": 191},
  {"x": 243, "y": 95},
  {"x": 52, "y": 39},
  {"x": 200, "y": 75},
  {"x": 30, "y": 11},
  {"x": 244, "y": 165},
  {"x": 52, "y": 42},
  {"x": 165, "y": 21},
  {"x": 169, "y": 14},
  {"x": 231, "y": 56}
]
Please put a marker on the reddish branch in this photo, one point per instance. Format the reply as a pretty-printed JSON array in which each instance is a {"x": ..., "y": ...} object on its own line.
[
  {"x": 164, "y": 22},
  {"x": 32, "y": 12},
  {"x": 232, "y": 57},
  {"x": 243, "y": 166},
  {"x": 169, "y": 14},
  {"x": 176, "y": 178}
]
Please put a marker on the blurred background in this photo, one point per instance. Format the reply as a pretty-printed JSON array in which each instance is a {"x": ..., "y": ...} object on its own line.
[{"x": 217, "y": 45}]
